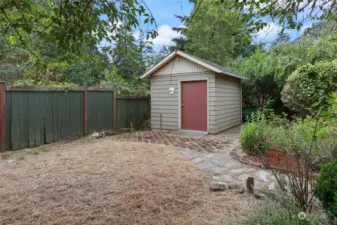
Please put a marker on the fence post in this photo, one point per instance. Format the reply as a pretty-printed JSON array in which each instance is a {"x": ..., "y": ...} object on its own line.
[
  {"x": 85, "y": 111},
  {"x": 115, "y": 111},
  {"x": 3, "y": 116}
]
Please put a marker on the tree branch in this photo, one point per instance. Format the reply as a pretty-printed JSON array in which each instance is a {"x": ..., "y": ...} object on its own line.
[{"x": 17, "y": 32}]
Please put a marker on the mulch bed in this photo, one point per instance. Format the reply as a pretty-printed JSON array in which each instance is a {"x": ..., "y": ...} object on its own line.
[{"x": 275, "y": 158}]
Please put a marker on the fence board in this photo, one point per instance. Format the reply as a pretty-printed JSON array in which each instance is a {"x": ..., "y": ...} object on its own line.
[
  {"x": 100, "y": 110},
  {"x": 8, "y": 119},
  {"x": 132, "y": 110},
  {"x": 40, "y": 116},
  {"x": 48, "y": 106}
]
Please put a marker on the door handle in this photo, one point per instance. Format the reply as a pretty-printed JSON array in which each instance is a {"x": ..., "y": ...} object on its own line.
[{"x": 182, "y": 105}]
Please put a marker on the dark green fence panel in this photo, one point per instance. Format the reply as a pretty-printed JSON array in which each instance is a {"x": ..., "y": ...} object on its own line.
[
  {"x": 67, "y": 116},
  {"x": 37, "y": 117},
  {"x": 19, "y": 117},
  {"x": 8, "y": 119},
  {"x": 40, "y": 116},
  {"x": 132, "y": 110},
  {"x": 100, "y": 110}
]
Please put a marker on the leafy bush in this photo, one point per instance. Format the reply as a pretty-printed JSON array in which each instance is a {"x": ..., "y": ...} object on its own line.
[
  {"x": 253, "y": 138},
  {"x": 247, "y": 112},
  {"x": 297, "y": 135},
  {"x": 307, "y": 84},
  {"x": 46, "y": 83},
  {"x": 280, "y": 209},
  {"x": 326, "y": 188},
  {"x": 131, "y": 86}
]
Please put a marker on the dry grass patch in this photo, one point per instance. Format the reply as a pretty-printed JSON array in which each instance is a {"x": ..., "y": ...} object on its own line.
[{"x": 107, "y": 182}]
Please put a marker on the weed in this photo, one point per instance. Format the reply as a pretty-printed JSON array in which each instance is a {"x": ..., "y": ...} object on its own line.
[
  {"x": 44, "y": 149},
  {"x": 20, "y": 157},
  {"x": 4, "y": 156}
]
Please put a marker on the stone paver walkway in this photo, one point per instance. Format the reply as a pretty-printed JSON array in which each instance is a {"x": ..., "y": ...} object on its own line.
[
  {"x": 223, "y": 168},
  {"x": 211, "y": 154},
  {"x": 158, "y": 137}
]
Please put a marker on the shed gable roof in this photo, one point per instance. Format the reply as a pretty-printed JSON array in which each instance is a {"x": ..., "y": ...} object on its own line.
[{"x": 209, "y": 65}]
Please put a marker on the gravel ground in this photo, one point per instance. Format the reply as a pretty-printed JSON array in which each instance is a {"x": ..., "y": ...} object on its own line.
[{"x": 103, "y": 181}]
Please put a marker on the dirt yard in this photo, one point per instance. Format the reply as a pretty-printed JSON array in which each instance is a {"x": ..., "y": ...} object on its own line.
[{"x": 103, "y": 181}]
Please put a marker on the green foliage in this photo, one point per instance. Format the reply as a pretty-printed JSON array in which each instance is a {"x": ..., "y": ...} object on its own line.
[
  {"x": 265, "y": 129},
  {"x": 33, "y": 83},
  {"x": 305, "y": 86},
  {"x": 288, "y": 14},
  {"x": 70, "y": 24},
  {"x": 326, "y": 188},
  {"x": 282, "y": 210},
  {"x": 296, "y": 136},
  {"x": 217, "y": 33},
  {"x": 83, "y": 74},
  {"x": 268, "y": 70},
  {"x": 247, "y": 112},
  {"x": 13, "y": 61},
  {"x": 253, "y": 135},
  {"x": 125, "y": 86}
]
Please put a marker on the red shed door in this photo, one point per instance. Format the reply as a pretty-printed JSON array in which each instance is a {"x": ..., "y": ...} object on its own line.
[{"x": 194, "y": 105}]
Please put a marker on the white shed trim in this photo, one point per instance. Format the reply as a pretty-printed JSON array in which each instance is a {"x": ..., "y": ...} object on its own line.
[{"x": 193, "y": 59}]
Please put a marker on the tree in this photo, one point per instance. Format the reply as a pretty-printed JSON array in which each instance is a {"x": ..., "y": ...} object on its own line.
[
  {"x": 281, "y": 38},
  {"x": 131, "y": 57},
  {"x": 321, "y": 29},
  {"x": 291, "y": 13},
  {"x": 267, "y": 68},
  {"x": 163, "y": 52},
  {"x": 12, "y": 61},
  {"x": 216, "y": 32},
  {"x": 70, "y": 24},
  {"x": 179, "y": 44}
]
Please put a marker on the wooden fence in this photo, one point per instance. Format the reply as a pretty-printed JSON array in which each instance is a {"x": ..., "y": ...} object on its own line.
[{"x": 31, "y": 117}]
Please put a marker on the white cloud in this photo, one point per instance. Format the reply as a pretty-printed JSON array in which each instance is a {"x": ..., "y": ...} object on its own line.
[
  {"x": 165, "y": 35},
  {"x": 268, "y": 33}
]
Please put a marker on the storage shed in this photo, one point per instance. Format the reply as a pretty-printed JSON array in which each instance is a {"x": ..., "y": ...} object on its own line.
[{"x": 193, "y": 94}]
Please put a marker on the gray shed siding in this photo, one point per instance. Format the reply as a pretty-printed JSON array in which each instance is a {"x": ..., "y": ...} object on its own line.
[
  {"x": 224, "y": 96},
  {"x": 168, "y": 105},
  {"x": 227, "y": 104}
]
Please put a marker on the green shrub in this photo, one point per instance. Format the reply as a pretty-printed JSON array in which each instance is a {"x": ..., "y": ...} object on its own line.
[
  {"x": 252, "y": 138},
  {"x": 280, "y": 209},
  {"x": 305, "y": 86},
  {"x": 326, "y": 188},
  {"x": 247, "y": 112}
]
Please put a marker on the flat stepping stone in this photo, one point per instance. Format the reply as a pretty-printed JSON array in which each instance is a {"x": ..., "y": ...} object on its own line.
[
  {"x": 240, "y": 171},
  {"x": 206, "y": 165},
  {"x": 197, "y": 160},
  {"x": 188, "y": 155},
  {"x": 243, "y": 177},
  {"x": 260, "y": 185},
  {"x": 219, "y": 170},
  {"x": 219, "y": 160},
  {"x": 262, "y": 175},
  {"x": 233, "y": 165},
  {"x": 225, "y": 178},
  {"x": 273, "y": 186},
  {"x": 210, "y": 155}
]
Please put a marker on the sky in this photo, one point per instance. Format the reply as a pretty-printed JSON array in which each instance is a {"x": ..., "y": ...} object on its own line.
[{"x": 164, "y": 10}]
